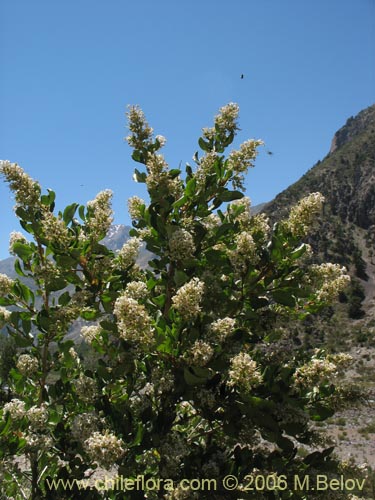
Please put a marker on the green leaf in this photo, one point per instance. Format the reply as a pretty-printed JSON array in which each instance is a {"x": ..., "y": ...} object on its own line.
[
  {"x": 284, "y": 297},
  {"x": 230, "y": 195},
  {"x": 175, "y": 172},
  {"x": 298, "y": 252},
  {"x": 18, "y": 268},
  {"x": 159, "y": 300},
  {"x": 23, "y": 251},
  {"x": 69, "y": 212},
  {"x": 320, "y": 412},
  {"x": 139, "y": 176},
  {"x": 190, "y": 188},
  {"x": 23, "y": 292},
  {"x": 138, "y": 156},
  {"x": 204, "y": 145},
  {"x": 180, "y": 278},
  {"x": 139, "y": 436},
  {"x": 56, "y": 284},
  {"x": 81, "y": 212},
  {"x": 196, "y": 376},
  {"x": 90, "y": 315},
  {"x": 64, "y": 299}
]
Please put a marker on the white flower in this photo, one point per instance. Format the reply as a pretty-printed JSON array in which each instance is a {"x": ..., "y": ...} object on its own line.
[
  {"x": 4, "y": 316},
  {"x": 26, "y": 190},
  {"x": 129, "y": 252},
  {"x": 161, "y": 139},
  {"x": 244, "y": 251},
  {"x": 244, "y": 372},
  {"x": 227, "y": 117},
  {"x": 136, "y": 290},
  {"x": 6, "y": 284},
  {"x": 304, "y": 214},
  {"x": 90, "y": 333},
  {"x": 135, "y": 205},
  {"x": 188, "y": 297},
  {"x": 104, "y": 448},
  {"x": 199, "y": 354},
  {"x": 133, "y": 321},
  {"x": 222, "y": 328},
  {"x": 83, "y": 425},
  {"x": 315, "y": 372},
  {"x": 181, "y": 245},
  {"x": 100, "y": 214},
  {"x": 141, "y": 132},
  {"x": 55, "y": 230},
  {"x": 15, "y": 408},
  {"x": 37, "y": 416},
  {"x": 329, "y": 280},
  {"x": 86, "y": 388},
  {"x": 15, "y": 237},
  {"x": 27, "y": 365}
]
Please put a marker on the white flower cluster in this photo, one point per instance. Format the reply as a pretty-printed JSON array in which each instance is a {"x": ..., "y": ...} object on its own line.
[
  {"x": 304, "y": 214},
  {"x": 240, "y": 161},
  {"x": 225, "y": 121},
  {"x": 26, "y": 190},
  {"x": 129, "y": 252},
  {"x": 135, "y": 205},
  {"x": 188, "y": 297},
  {"x": 315, "y": 372},
  {"x": 141, "y": 132},
  {"x": 173, "y": 450},
  {"x": 329, "y": 279},
  {"x": 100, "y": 211},
  {"x": 205, "y": 167},
  {"x": 142, "y": 400},
  {"x": 4, "y": 316},
  {"x": 83, "y": 425},
  {"x": 86, "y": 388},
  {"x": 259, "y": 225},
  {"x": 227, "y": 117},
  {"x": 244, "y": 372},
  {"x": 15, "y": 237},
  {"x": 104, "y": 448},
  {"x": 158, "y": 175},
  {"x": 222, "y": 328},
  {"x": 54, "y": 229},
  {"x": 15, "y": 408},
  {"x": 161, "y": 140},
  {"x": 27, "y": 365},
  {"x": 136, "y": 290},
  {"x": 90, "y": 333},
  {"x": 245, "y": 204},
  {"x": 244, "y": 252},
  {"x": 181, "y": 245},
  {"x": 211, "y": 222},
  {"x": 6, "y": 284},
  {"x": 206, "y": 398},
  {"x": 199, "y": 354},
  {"x": 38, "y": 417},
  {"x": 134, "y": 323},
  {"x": 38, "y": 442},
  {"x": 341, "y": 360},
  {"x": 162, "y": 379}
]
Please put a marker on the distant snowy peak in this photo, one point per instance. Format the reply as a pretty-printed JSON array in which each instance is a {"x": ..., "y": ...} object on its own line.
[{"x": 117, "y": 235}]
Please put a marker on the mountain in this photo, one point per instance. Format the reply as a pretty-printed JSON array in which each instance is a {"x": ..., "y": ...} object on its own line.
[{"x": 345, "y": 233}]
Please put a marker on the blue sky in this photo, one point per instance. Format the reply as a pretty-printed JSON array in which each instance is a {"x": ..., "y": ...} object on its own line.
[{"x": 69, "y": 68}]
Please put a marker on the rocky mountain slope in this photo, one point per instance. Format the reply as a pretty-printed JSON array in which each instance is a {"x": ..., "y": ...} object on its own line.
[{"x": 346, "y": 234}]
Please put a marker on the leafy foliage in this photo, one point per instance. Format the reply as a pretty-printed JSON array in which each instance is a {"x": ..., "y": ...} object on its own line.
[{"x": 198, "y": 375}]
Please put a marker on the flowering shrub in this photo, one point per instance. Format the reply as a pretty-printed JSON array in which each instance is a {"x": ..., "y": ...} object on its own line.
[{"x": 198, "y": 375}]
